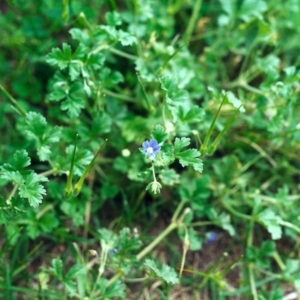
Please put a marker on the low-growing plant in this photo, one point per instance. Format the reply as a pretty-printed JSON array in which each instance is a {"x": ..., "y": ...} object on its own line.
[{"x": 149, "y": 149}]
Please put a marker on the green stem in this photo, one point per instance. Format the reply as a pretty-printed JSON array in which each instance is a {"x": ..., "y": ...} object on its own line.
[
  {"x": 122, "y": 53},
  {"x": 19, "y": 108},
  {"x": 79, "y": 184},
  {"x": 160, "y": 69},
  {"x": 201, "y": 223},
  {"x": 153, "y": 172},
  {"x": 252, "y": 282},
  {"x": 157, "y": 240},
  {"x": 279, "y": 261},
  {"x": 178, "y": 210},
  {"x": 252, "y": 89},
  {"x": 49, "y": 172},
  {"x": 215, "y": 143},
  {"x": 203, "y": 148},
  {"x": 113, "y": 5},
  {"x": 236, "y": 213},
  {"x": 193, "y": 20},
  {"x": 44, "y": 210},
  {"x": 84, "y": 22},
  {"x": 250, "y": 265},
  {"x": 118, "y": 96},
  {"x": 149, "y": 106},
  {"x": 69, "y": 186},
  {"x": 271, "y": 199},
  {"x": 8, "y": 201},
  {"x": 114, "y": 278},
  {"x": 290, "y": 225}
]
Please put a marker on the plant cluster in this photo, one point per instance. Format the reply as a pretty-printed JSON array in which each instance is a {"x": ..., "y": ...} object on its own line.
[{"x": 138, "y": 134}]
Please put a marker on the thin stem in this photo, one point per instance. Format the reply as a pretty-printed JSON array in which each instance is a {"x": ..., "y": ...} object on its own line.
[
  {"x": 193, "y": 20},
  {"x": 114, "y": 278},
  {"x": 123, "y": 54},
  {"x": 49, "y": 172},
  {"x": 201, "y": 223},
  {"x": 259, "y": 149},
  {"x": 148, "y": 103},
  {"x": 203, "y": 148},
  {"x": 238, "y": 214},
  {"x": 252, "y": 89},
  {"x": 157, "y": 240},
  {"x": 153, "y": 172},
  {"x": 252, "y": 281},
  {"x": 44, "y": 210},
  {"x": 118, "y": 96},
  {"x": 186, "y": 246},
  {"x": 19, "y": 108},
  {"x": 279, "y": 261},
  {"x": 178, "y": 210},
  {"x": 12, "y": 194},
  {"x": 250, "y": 265}
]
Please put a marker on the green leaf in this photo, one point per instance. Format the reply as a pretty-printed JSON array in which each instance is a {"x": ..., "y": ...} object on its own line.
[
  {"x": 74, "y": 70},
  {"x": 191, "y": 115},
  {"x": 75, "y": 271},
  {"x": 126, "y": 39},
  {"x": 159, "y": 134},
  {"x": 95, "y": 60},
  {"x": 167, "y": 154},
  {"x": 110, "y": 32},
  {"x": 223, "y": 220},
  {"x": 44, "y": 153},
  {"x": 110, "y": 78},
  {"x": 268, "y": 248},
  {"x": 80, "y": 35},
  {"x": 82, "y": 158},
  {"x": 292, "y": 266},
  {"x": 113, "y": 18},
  {"x": 194, "y": 239},
  {"x": 20, "y": 159},
  {"x": 169, "y": 177},
  {"x": 180, "y": 143},
  {"x": 166, "y": 273},
  {"x": 74, "y": 101},
  {"x": 168, "y": 84},
  {"x": 32, "y": 190},
  {"x": 37, "y": 128},
  {"x": 27, "y": 180},
  {"x": 101, "y": 124},
  {"x": 190, "y": 157},
  {"x": 174, "y": 95},
  {"x": 56, "y": 269},
  {"x": 58, "y": 57},
  {"x": 13, "y": 170},
  {"x": 252, "y": 8},
  {"x": 116, "y": 290},
  {"x": 237, "y": 103},
  {"x": 271, "y": 222},
  {"x": 48, "y": 222},
  {"x": 187, "y": 157},
  {"x": 36, "y": 125},
  {"x": 229, "y": 6}
]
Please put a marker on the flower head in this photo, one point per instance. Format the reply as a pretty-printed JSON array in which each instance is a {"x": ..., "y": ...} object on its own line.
[
  {"x": 211, "y": 237},
  {"x": 151, "y": 148}
]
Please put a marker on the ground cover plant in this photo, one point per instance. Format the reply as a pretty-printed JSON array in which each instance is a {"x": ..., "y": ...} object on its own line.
[{"x": 149, "y": 149}]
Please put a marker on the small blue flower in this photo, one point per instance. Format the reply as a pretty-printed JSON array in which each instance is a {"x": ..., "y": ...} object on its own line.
[
  {"x": 211, "y": 237},
  {"x": 113, "y": 251},
  {"x": 151, "y": 148}
]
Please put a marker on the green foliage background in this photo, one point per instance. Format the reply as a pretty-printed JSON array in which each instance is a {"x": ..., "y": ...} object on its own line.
[{"x": 84, "y": 83}]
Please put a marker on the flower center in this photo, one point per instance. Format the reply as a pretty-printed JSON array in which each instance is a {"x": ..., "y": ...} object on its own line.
[{"x": 149, "y": 150}]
